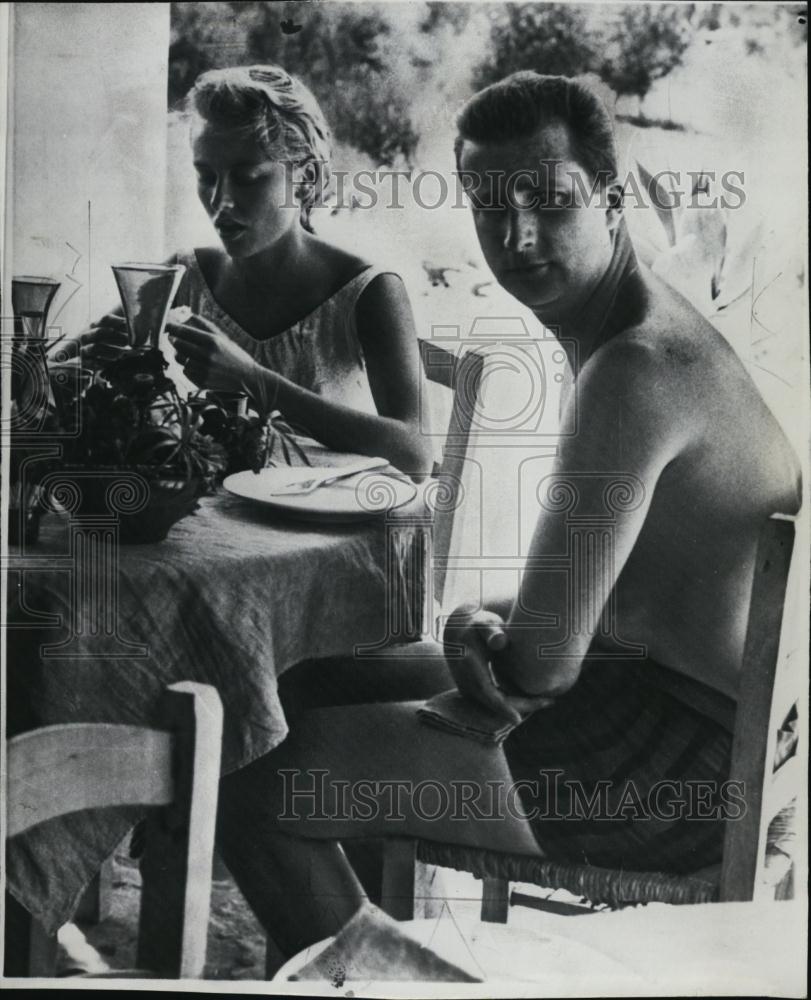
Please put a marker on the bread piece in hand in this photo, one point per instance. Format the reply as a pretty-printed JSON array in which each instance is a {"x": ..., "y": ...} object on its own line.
[{"x": 180, "y": 314}]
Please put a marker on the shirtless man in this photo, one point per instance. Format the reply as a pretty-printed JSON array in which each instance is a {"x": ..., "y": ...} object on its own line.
[
  {"x": 664, "y": 405},
  {"x": 676, "y": 445}
]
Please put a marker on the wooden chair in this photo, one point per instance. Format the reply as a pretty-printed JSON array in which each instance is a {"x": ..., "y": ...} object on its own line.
[
  {"x": 175, "y": 769},
  {"x": 765, "y": 759},
  {"x": 462, "y": 375}
]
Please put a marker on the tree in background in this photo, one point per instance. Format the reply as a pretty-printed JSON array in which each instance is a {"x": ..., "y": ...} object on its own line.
[
  {"x": 343, "y": 52},
  {"x": 777, "y": 22},
  {"x": 643, "y": 43},
  {"x": 382, "y": 71},
  {"x": 629, "y": 46},
  {"x": 440, "y": 12},
  {"x": 769, "y": 28},
  {"x": 548, "y": 38}
]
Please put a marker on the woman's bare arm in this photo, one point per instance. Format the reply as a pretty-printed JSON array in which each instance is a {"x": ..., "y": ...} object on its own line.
[
  {"x": 387, "y": 336},
  {"x": 386, "y": 331}
]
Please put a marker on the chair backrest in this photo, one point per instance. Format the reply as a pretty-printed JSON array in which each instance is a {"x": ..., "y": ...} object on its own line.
[
  {"x": 462, "y": 375},
  {"x": 771, "y": 692},
  {"x": 62, "y": 769}
]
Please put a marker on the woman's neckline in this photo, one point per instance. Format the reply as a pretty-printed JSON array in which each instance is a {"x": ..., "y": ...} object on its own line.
[{"x": 290, "y": 328}]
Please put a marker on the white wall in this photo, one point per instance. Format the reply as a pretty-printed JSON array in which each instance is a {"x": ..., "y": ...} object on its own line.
[{"x": 88, "y": 146}]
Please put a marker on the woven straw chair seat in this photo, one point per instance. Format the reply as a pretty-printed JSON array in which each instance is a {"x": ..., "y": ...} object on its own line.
[{"x": 614, "y": 888}]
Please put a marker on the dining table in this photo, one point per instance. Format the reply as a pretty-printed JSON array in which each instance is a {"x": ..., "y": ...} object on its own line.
[{"x": 236, "y": 594}]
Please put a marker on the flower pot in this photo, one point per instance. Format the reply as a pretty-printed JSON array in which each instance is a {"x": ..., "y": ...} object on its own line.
[
  {"x": 145, "y": 505},
  {"x": 168, "y": 503}
]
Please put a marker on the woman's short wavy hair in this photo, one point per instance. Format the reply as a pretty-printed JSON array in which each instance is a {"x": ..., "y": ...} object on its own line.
[
  {"x": 519, "y": 104},
  {"x": 274, "y": 109}
]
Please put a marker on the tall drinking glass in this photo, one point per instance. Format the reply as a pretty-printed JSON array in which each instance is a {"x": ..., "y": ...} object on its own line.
[
  {"x": 31, "y": 298},
  {"x": 147, "y": 291}
]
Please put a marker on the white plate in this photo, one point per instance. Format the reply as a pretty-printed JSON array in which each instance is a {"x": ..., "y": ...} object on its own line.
[{"x": 357, "y": 498}]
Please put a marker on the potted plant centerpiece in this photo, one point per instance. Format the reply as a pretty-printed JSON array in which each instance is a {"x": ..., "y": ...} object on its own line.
[
  {"x": 139, "y": 435},
  {"x": 129, "y": 444}
]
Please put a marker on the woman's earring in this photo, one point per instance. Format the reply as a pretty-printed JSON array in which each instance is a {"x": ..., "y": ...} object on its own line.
[{"x": 302, "y": 190}]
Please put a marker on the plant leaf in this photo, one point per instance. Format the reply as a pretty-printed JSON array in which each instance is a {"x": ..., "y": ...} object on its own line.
[
  {"x": 300, "y": 451},
  {"x": 660, "y": 199}
]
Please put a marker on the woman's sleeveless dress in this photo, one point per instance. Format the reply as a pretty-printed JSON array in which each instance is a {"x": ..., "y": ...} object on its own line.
[{"x": 321, "y": 352}]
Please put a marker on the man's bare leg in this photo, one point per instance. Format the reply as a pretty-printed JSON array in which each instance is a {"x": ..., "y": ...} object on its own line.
[
  {"x": 281, "y": 817},
  {"x": 301, "y": 890}
]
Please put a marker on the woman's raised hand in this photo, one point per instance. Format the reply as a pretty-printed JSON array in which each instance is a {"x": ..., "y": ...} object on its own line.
[
  {"x": 101, "y": 341},
  {"x": 212, "y": 360},
  {"x": 482, "y": 636}
]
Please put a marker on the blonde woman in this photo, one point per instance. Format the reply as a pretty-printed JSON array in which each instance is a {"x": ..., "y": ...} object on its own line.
[{"x": 300, "y": 325}]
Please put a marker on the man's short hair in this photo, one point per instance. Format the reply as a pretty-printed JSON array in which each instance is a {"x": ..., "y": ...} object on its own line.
[{"x": 523, "y": 102}]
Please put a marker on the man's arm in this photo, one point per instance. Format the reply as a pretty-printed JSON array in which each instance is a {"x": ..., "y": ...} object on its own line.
[{"x": 593, "y": 508}]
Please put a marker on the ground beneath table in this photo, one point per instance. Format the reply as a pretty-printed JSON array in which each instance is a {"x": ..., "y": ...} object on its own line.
[{"x": 236, "y": 942}]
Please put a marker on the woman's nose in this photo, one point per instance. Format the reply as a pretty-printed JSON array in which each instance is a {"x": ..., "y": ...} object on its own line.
[
  {"x": 222, "y": 195},
  {"x": 521, "y": 232}
]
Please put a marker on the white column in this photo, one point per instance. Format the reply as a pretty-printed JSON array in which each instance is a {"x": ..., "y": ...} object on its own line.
[{"x": 88, "y": 146}]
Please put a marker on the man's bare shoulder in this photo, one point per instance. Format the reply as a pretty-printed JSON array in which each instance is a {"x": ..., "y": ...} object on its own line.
[
  {"x": 660, "y": 381},
  {"x": 671, "y": 345},
  {"x": 684, "y": 335},
  {"x": 628, "y": 407},
  {"x": 639, "y": 361}
]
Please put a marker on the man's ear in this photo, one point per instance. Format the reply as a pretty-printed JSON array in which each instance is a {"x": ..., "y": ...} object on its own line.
[{"x": 614, "y": 196}]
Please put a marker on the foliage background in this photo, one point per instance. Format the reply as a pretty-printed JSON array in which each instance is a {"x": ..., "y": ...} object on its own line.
[
  {"x": 367, "y": 63},
  {"x": 701, "y": 87},
  {"x": 693, "y": 86}
]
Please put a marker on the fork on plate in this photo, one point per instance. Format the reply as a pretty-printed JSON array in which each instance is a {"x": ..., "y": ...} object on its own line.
[{"x": 311, "y": 485}]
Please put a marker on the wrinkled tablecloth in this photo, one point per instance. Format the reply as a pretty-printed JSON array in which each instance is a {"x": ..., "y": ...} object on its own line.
[{"x": 234, "y": 596}]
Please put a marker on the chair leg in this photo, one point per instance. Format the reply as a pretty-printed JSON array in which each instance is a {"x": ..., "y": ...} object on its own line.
[
  {"x": 399, "y": 871},
  {"x": 177, "y": 862},
  {"x": 42, "y": 952},
  {"x": 88, "y": 911},
  {"x": 548, "y": 905},
  {"x": 274, "y": 959},
  {"x": 495, "y": 900},
  {"x": 29, "y": 951},
  {"x": 366, "y": 858},
  {"x": 95, "y": 904},
  {"x": 429, "y": 891},
  {"x": 219, "y": 870}
]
